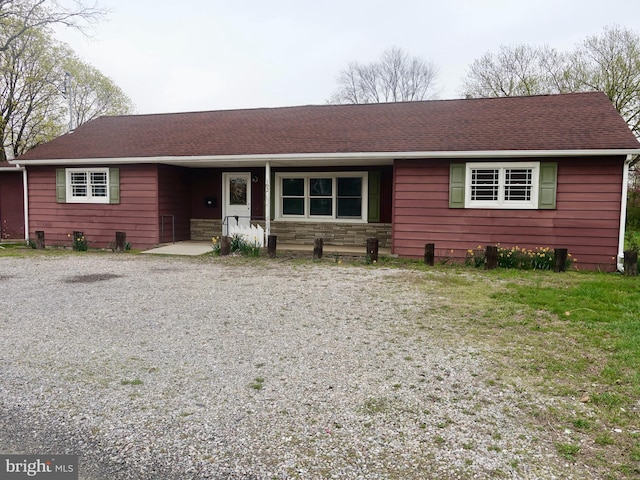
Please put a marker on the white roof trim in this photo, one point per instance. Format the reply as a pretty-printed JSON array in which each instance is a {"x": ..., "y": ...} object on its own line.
[{"x": 310, "y": 157}]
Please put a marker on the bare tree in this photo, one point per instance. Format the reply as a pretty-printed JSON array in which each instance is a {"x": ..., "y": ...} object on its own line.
[
  {"x": 609, "y": 62},
  {"x": 17, "y": 17},
  {"x": 519, "y": 70},
  {"x": 396, "y": 77}
]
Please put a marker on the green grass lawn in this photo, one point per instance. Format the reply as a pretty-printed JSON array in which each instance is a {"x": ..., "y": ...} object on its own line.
[
  {"x": 595, "y": 354},
  {"x": 572, "y": 336}
]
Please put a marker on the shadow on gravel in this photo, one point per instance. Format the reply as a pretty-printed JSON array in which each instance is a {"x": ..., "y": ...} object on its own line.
[{"x": 92, "y": 278}]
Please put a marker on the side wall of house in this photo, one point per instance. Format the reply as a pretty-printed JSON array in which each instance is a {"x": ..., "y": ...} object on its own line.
[
  {"x": 174, "y": 203},
  {"x": 136, "y": 214},
  {"x": 585, "y": 220},
  {"x": 11, "y": 206}
]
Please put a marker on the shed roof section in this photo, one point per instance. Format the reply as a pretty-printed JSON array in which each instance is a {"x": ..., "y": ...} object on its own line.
[{"x": 579, "y": 121}]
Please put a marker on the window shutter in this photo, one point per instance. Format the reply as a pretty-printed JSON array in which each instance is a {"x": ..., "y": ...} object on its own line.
[
  {"x": 61, "y": 185},
  {"x": 456, "y": 185},
  {"x": 548, "y": 185},
  {"x": 114, "y": 185},
  {"x": 373, "y": 215}
]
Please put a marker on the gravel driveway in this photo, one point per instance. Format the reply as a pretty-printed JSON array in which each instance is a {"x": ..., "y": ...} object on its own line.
[{"x": 176, "y": 368}]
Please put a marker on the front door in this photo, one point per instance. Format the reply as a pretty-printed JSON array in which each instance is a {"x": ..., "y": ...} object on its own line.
[{"x": 236, "y": 190}]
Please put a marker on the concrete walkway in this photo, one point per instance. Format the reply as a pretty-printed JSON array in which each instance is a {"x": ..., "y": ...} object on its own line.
[
  {"x": 193, "y": 247},
  {"x": 183, "y": 248}
]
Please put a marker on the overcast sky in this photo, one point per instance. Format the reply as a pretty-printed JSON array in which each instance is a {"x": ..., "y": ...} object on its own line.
[{"x": 191, "y": 55}]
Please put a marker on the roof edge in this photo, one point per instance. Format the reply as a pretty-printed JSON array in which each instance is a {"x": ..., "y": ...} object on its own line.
[
  {"x": 303, "y": 157},
  {"x": 348, "y": 105}
]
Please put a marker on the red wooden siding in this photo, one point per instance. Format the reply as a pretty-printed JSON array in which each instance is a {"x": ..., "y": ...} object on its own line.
[
  {"x": 257, "y": 193},
  {"x": 11, "y": 206},
  {"x": 136, "y": 214},
  {"x": 586, "y": 218},
  {"x": 174, "y": 202},
  {"x": 206, "y": 183}
]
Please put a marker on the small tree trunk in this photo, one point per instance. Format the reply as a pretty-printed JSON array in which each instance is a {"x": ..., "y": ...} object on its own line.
[
  {"x": 491, "y": 256},
  {"x": 372, "y": 249},
  {"x": 225, "y": 245},
  {"x": 40, "y": 239},
  {"x": 121, "y": 241},
  {"x": 631, "y": 263},
  {"x": 430, "y": 254},
  {"x": 272, "y": 242},
  {"x": 318, "y": 243},
  {"x": 560, "y": 260}
]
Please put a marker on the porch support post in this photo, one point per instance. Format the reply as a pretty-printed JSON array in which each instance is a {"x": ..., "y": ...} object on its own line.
[{"x": 267, "y": 198}]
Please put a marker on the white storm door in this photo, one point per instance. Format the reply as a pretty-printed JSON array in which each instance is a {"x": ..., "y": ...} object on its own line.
[{"x": 236, "y": 190}]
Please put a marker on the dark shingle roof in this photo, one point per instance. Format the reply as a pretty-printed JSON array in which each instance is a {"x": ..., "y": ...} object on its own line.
[{"x": 580, "y": 121}]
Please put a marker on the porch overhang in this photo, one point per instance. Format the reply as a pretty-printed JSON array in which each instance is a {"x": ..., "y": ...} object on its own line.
[{"x": 323, "y": 159}]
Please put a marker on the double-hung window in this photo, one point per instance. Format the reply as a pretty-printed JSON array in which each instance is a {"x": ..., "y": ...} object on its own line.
[
  {"x": 293, "y": 196},
  {"x": 502, "y": 185},
  {"x": 349, "y": 197},
  {"x": 322, "y": 196},
  {"x": 88, "y": 185}
]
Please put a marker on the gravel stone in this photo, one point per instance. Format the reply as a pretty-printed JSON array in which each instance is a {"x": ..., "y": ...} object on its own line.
[{"x": 179, "y": 368}]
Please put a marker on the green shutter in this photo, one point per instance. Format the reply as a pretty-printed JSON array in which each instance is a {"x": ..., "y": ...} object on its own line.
[
  {"x": 547, "y": 188},
  {"x": 61, "y": 185},
  {"x": 114, "y": 185},
  {"x": 457, "y": 173},
  {"x": 373, "y": 214}
]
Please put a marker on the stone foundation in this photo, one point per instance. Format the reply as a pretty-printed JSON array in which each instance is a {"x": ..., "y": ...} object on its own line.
[
  {"x": 304, "y": 233},
  {"x": 204, "y": 229}
]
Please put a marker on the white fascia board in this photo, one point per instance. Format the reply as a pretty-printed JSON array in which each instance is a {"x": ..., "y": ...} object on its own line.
[
  {"x": 17, "y": 168},
  {"x": 309, "y": 157}
]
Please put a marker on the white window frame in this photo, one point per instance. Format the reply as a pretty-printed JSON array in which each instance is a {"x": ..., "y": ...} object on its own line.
[
  {"x": 501, "y": 203},
  {"x": 307, "y": 217},
  {"x": 89, "y": 197}
]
